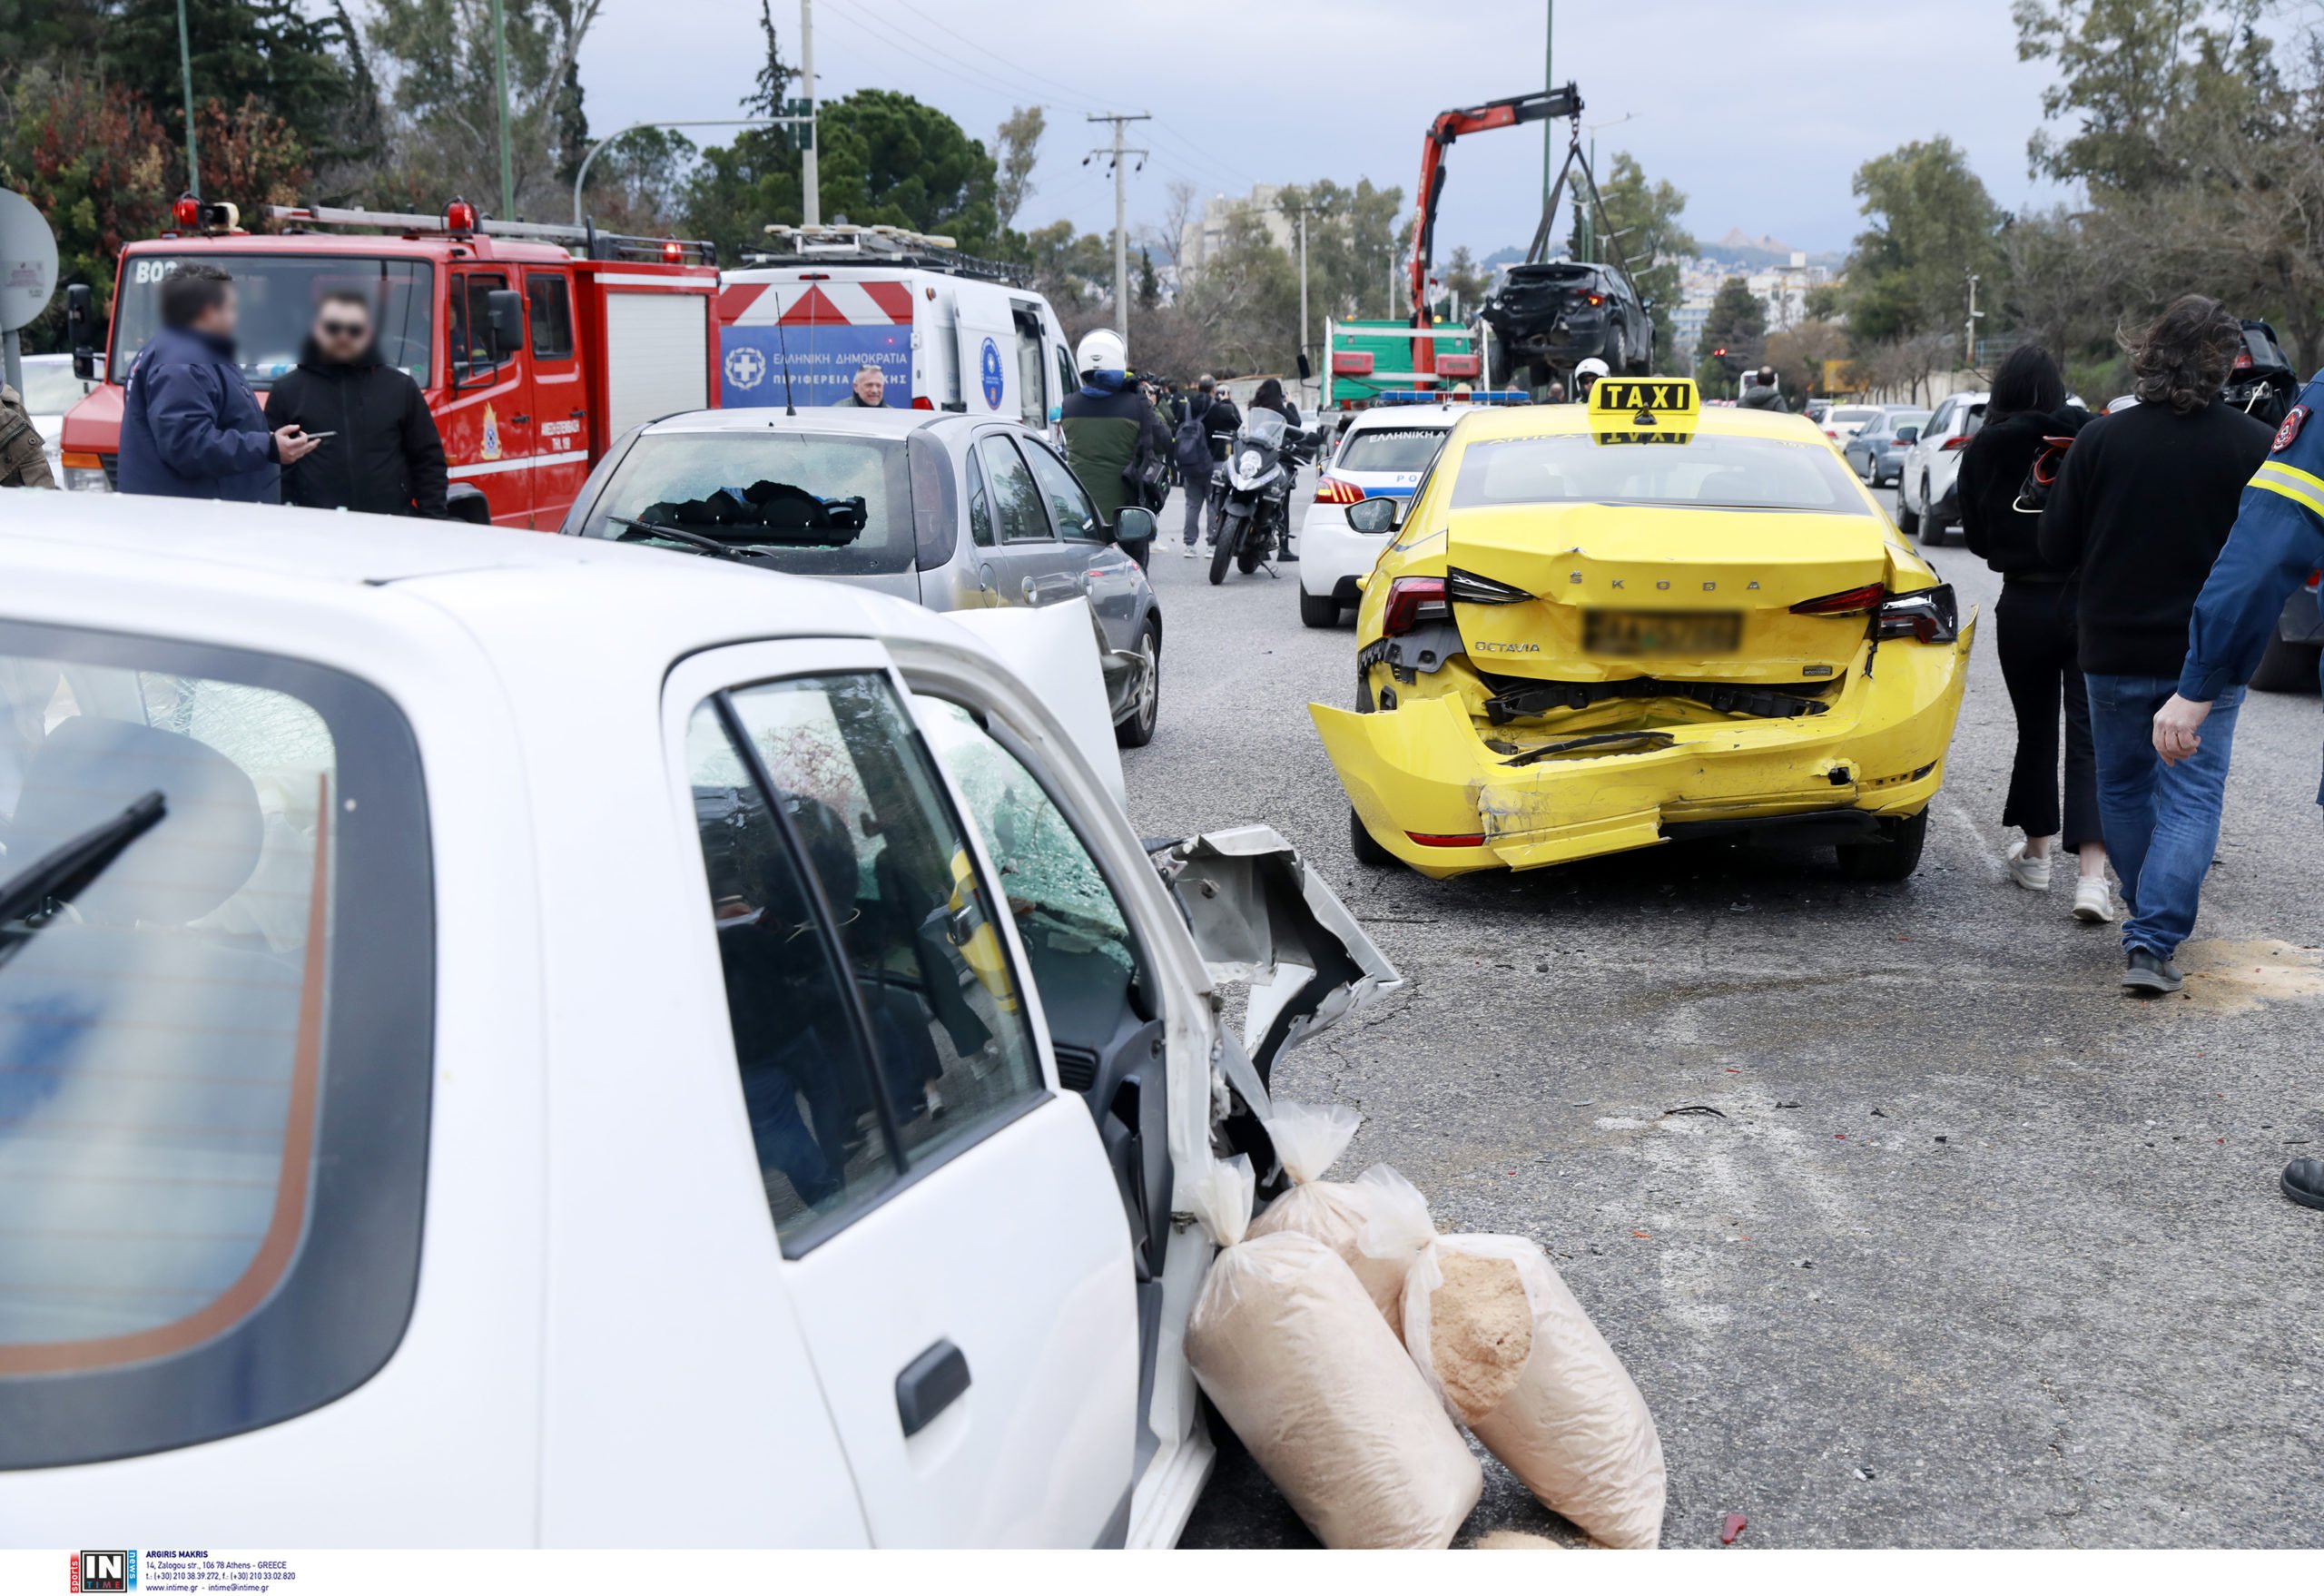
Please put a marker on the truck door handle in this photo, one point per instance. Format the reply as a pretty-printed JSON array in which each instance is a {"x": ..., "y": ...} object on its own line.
[
  {"x": 520, "y": 421},
  {"x": 929, "y": 1385},
  {"x": 576, "y": 413}
]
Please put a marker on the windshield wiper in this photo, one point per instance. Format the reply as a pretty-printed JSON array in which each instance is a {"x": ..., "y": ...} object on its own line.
[
  {"x": 65, "y": 872},
  {"x": 694, "y": 540}
]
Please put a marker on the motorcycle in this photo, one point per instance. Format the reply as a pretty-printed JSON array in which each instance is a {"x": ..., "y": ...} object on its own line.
[{"x": 1254, "y": 516}]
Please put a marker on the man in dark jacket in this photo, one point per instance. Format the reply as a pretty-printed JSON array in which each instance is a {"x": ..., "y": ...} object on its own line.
[
  {"x": 2140, "y": 512},
  {"x": 1110, "y": 431},
  {"x": 190, "y": 428},
  {"x": 378, "y": 448}
]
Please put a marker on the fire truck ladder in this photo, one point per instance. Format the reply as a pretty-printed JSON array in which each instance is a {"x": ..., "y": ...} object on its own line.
[
  {"x": 847, "y": 245},
  {"x": 596, "y": 246}
]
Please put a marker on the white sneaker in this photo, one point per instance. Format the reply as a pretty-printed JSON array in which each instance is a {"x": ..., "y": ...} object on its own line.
[
  {"x": 2094, "y": 902},
  {"x": 1188, "y": 550},
  {"x": 2033, "y": 875}
]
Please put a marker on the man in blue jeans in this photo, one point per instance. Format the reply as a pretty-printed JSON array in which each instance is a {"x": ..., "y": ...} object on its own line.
[
  {"x": 2278, "y": 539},
  {"x": 2140, "y": 511}
]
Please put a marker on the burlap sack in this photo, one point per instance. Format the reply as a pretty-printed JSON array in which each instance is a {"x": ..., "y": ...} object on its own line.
[
  {"x": 1290, "y": 1348},
  {"x": 1308, "y": 1139},
  {"x": 1495, "y": 1332}
]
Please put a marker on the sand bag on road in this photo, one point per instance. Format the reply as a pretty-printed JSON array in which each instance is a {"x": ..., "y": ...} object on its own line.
[
  {"x": 1294, "y": 1352},
  {"x": 1493, "y": 1326},
  {"x": 1308, "y": 1139}
]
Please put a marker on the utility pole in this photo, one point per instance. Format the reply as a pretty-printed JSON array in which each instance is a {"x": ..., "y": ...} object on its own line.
[
  {"x": 1121, "y": 120},
  {"x": 811, "y": 204},
  {"x": 1969, "y": 327},
  {"x": 500, "y": 82},
  {"x": 1304, "y": 344},
  {"x": 185, "y": 76},
  {"x": 1548, "y": 81}
]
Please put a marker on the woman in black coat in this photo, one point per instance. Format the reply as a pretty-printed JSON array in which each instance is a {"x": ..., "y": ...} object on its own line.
[{"x": 2033, "y": 623}]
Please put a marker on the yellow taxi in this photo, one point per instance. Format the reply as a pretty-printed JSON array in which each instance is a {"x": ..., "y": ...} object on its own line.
[{"x": 1606, "y": 627}]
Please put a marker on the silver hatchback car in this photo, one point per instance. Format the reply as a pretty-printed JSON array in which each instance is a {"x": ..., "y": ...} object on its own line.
[{"x": 946, "y": 510}]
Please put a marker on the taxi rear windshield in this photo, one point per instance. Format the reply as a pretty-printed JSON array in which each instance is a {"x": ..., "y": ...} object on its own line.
[
  {"x": 1706, "y": 471},
  {"x": 1390, "y": 449},
  {"x": 214, "y": 998},
  {"x": 813, "y": 504}
]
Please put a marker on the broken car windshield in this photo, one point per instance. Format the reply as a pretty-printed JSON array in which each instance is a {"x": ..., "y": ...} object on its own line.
[{"x": 813, "y": 506}]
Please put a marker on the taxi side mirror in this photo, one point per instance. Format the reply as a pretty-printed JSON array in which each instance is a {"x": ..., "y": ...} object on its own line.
[{"x": 1377, "y": 514}]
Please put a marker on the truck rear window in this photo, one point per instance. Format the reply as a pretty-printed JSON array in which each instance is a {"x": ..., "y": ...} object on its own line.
[
  {"x": 214, "y": 1040},
  {"x": 759, "y": 492},
  {"x": 275, "y": 299}
]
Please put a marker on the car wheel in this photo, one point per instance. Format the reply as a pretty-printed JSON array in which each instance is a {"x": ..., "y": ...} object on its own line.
[
  {"x": 1136, "y": 729},
  {"x": 1908, "y": 519},
  {"x": 2287, "y": 667},
  {"x": 1893, "y": 856},
  {"x": 1318, "y": 610},
  {"x": 1618, "y": 349},
  {"x": 1871, "y": 472},
  {"x": 1367, "y": 848}
]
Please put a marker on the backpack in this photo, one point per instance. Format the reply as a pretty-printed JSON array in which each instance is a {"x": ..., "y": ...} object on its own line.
[
  {"x": 1191, "y": 448},
  {"x": 2042, "y": 475}
]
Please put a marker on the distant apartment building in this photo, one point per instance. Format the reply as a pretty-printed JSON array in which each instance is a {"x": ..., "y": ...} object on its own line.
[
  {"x": 1204, "y": 235},
  {"x": 1782, "y": 290}
]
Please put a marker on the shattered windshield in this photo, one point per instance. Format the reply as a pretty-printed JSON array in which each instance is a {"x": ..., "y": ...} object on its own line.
[{"x": 815, "y": 506}]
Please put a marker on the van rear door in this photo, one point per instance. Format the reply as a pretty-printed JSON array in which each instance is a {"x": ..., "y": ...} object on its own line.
[{"x": 985, "y": 331}]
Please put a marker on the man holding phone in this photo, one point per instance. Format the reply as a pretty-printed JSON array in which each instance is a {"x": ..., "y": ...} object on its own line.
[{"x": 377, "y": 446}]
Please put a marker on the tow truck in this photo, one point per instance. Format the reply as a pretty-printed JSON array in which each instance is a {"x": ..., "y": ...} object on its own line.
[{"x": 536, "y": 345}]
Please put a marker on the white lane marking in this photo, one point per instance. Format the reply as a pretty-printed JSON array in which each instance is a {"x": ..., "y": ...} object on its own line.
[{"x": 1960, "y": 821}]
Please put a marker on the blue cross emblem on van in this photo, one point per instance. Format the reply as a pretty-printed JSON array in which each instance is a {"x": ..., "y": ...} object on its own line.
[{"x": 990, "y": 367}]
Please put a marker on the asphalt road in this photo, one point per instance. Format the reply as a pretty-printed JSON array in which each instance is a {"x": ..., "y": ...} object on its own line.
[{"x": 1976, "y": 1252}]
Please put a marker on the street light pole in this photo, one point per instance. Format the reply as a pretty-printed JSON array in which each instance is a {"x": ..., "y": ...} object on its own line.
[
  {"x": 500, "y": 84},
  {"x": 810, "y": 183},
  {"x": 1969, "y": 327},
  {"x": 1304, "y": 345},
  {"x": 185, "y": 76}
]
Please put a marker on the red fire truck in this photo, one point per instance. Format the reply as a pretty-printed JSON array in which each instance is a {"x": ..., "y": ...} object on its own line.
[{"x": 536, "y": 345}]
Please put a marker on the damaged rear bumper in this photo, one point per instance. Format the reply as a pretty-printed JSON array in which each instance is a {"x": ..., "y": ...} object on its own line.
[{"x": 1432, "y": 790}]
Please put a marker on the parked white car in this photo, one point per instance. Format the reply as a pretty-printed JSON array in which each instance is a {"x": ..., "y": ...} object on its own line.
[
  {"x": 1927, "y": 503},
  {"x": 1842, "y": 423},
  {"x": 513, "y": 1042},
  {"x": 1383, "y": 454}
]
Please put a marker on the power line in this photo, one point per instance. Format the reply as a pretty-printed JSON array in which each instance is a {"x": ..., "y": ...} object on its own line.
[
  {"x": 954, "y": 68},
  {"x": 1029, "y": 73}
]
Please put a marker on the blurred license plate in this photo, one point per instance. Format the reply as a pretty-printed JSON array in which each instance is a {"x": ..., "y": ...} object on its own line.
[{"x": 1631, "y": 631}]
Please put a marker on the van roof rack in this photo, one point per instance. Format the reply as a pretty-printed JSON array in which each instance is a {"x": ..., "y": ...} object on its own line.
[
  {"x": 596, "y": 246},
  {"x": 846, "y": 244}
]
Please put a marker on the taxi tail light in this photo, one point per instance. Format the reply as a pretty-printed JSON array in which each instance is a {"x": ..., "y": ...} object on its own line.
[
  {"x": 1334, "y": 490},
  {"x": 1468, "y": 587},
  {"x": 1413, "y": 601},
  {"x": 1448, "y": 838},
  {"x": 1855, "y": 601},
  {"x": 1929, "y": 614}
]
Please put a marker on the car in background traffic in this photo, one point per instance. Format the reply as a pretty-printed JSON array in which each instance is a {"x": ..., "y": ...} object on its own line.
[
  {"x": 1842, "y": 423},
  {"x": 1927, "y": 505},
  {"x": 1383, "y": 454},
  {"x": 1876, "y": 448},
  {"x": 716, "y": 1046},
  {"x": 950, "y": 511},
  {"x": 2295, "y": 654},
  {"x": 1546, "y": 316},
  {"x": 50, "y": 390}
]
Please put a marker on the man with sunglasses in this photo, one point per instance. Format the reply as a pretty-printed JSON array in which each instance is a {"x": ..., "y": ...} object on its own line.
[{"x": 380, "y": 449}]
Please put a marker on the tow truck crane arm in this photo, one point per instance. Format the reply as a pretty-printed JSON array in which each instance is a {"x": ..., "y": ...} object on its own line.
[{"x": 1539, "y": 106}]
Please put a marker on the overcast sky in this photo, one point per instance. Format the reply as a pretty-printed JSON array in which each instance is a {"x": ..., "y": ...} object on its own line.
[{"x": 1759, "y": 112}]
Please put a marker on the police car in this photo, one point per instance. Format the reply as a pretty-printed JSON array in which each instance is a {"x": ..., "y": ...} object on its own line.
[
  {"x": 1383, "y": 454},
  {"x": 512, "y": 1040}
]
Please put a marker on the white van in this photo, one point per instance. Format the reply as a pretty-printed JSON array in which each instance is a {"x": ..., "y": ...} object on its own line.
[{"x": 948, "y": 330}]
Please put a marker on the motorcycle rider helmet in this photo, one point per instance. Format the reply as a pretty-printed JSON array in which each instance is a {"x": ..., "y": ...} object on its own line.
[
  {"x": 1102, "y": 351},
  {"x": 1594, "y": 368}
]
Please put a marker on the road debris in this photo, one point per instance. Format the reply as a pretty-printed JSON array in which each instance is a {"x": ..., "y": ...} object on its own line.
[
  {"x": 1735, "y": 1525},
  {"x": 1695, "y": 1109}
]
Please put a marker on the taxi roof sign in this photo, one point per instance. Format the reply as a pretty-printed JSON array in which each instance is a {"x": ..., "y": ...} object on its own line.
[{"x": 1643, "y": 402}]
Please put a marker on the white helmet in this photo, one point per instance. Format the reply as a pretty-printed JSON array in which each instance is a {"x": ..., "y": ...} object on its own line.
[
  {"x": 1593, "y": 367},
  {"x": 1102, "y": 351}
]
